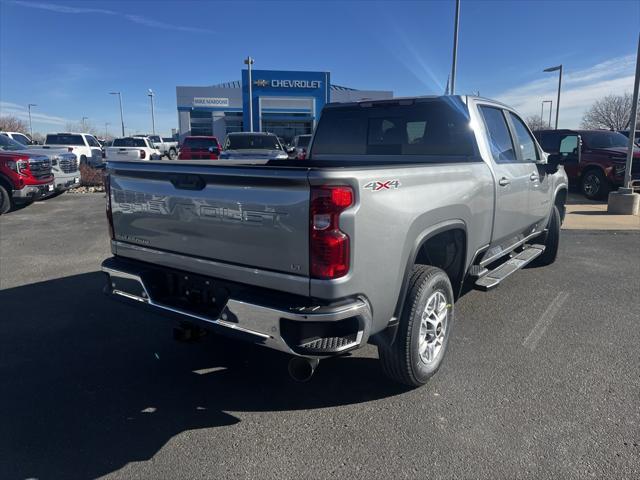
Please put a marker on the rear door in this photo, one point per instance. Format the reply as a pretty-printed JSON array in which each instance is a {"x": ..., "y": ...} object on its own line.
[{"x": 512, "y": 219}]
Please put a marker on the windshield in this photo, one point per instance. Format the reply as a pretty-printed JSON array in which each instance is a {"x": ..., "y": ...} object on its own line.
[
  {"x": 129, "y": 142},
  {"x": 7, "y": 144},
  {"x": 604, "y": 139},
  {"x": 253, "y": 142}
]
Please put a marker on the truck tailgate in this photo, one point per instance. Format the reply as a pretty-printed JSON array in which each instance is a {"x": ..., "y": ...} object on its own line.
[
  {"x": 256, "y": 217},
  {"x": 123, "y": 153}
]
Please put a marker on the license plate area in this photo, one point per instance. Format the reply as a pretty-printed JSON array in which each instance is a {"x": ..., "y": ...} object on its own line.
[{"x": 186, "y": 291}]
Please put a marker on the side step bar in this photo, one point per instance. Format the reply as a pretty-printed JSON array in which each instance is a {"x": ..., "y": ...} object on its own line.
[{"x": 493, "y": 277}]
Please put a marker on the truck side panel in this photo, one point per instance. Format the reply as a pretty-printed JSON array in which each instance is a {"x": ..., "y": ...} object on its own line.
[{"x": 385, "y": 225}]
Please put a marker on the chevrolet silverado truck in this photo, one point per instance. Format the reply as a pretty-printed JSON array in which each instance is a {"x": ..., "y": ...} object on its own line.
[
  {"x": 25, "y": 176},
  {"x": 400, "y": 206},
  {"x": 594, "y": 160}
]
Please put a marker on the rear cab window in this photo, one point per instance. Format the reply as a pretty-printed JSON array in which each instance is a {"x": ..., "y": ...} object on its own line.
[
  {"x": 429, "y": 130},
  {"x": 64, "y": 139},
  {"x": 200, "y": 143}
]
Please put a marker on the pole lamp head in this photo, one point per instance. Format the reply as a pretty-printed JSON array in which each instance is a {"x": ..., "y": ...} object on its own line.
[{"x": 553, "y": 69}]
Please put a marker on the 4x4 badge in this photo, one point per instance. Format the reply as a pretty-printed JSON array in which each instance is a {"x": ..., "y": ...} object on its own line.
[{"x": 378, "y": 185}]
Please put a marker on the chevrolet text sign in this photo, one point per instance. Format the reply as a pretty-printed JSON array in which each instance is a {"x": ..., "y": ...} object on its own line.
[
  {"x": 210, "y": 102},
  {"x": 290, "y": 83}
]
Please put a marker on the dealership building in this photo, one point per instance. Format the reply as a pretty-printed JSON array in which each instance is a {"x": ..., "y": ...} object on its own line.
[{"x": 284, "y": 103}]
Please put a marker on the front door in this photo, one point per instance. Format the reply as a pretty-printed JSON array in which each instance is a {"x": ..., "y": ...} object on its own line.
[
  {"x": 539, "y": 181},
  {"x": 513, "y": 178}
]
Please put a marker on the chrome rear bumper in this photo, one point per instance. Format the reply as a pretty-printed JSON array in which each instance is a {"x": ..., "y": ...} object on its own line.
[{"x": 260, "y": 323}]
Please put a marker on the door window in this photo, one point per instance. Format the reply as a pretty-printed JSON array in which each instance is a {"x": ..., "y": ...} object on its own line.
[
  {"x": 524, "y": 139},
  {"x": 92, "y": 141},
  {"x": 498, "y": 134}
]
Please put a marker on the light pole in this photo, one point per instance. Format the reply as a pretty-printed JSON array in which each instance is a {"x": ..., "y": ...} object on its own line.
[
  {"x": 550, "y": 109},
  {"x": 30, "y": 126},
  {"x": 632, "y": 125},
  {"x": 83, "y": 124},
  {"x": 121, "y": 116},
  {"x": 153, "y": 119},
  {"x": 248, "y": 62},
  {"x": 106, "y": 129},
  {"x": 455, "y": 48},
  {"x": 553, "y": 69}
]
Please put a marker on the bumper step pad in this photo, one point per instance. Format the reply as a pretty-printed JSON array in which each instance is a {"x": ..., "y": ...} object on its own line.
[{"x": 493, "y": 277}]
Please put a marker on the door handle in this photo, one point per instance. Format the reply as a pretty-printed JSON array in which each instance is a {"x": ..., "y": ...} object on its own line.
[
  {"x": 533, "y": 177},
  {"x": 504, "y": 181}
]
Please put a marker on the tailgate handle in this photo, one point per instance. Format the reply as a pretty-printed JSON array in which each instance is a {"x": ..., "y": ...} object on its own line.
[{"x": 187, "y": 182}]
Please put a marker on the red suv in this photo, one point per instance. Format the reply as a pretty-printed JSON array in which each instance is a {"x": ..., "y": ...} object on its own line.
[
  {"x": 23, "y": 178},
  {"x": 595, "y": 160},
  {"x": 199, "y": 148}
]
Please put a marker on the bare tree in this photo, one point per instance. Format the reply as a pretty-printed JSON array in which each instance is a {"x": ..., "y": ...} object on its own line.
[
  {"x": 536, "y": 122},
  {"x": 78, "y": 127},
  {"x": 9, "y": 123},
  {"x": 612, "y": 112}
]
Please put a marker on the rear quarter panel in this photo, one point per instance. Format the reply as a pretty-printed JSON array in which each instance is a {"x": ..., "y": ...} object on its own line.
[{"x": 386, "y": 226}]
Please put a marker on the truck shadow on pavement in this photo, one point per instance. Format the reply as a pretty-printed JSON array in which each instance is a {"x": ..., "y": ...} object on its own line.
[{"x": 89, "y": 385}]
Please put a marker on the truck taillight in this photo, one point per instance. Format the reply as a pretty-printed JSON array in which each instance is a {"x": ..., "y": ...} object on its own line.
[
  {"x": 328, "y": 245},
  {"x": 143, "y": 154},
  {"x": 107, "y": 189}
]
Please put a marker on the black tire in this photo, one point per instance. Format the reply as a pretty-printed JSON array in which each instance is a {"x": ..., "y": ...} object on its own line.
[
  {"x": 594, "y": 185},
  {"x": 5, "y": 200},
  {"x": 551, "y": 240},
  {"x": 172, "y": 154},
  {"x": 401, "y": 360}
]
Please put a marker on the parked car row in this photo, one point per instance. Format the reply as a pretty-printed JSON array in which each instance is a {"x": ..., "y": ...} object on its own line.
[{"x": 28, "y": 173}]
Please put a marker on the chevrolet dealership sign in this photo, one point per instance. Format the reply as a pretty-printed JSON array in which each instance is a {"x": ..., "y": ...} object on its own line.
[
  {"x": 289, "y": 83},
  {"x": 210, "y": 102}
]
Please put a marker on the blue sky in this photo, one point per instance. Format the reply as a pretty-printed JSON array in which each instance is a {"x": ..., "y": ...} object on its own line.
[{"x": 66, "y": 56}]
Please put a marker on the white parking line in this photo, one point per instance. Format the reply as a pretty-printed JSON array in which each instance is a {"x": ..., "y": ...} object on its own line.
[{"x": 544, "y": 321}]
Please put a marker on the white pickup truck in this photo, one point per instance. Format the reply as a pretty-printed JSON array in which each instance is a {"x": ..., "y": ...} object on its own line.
[
  {"x": 132, "y": 148},
  {"x": 84, "y": 145},
  {"x": 167, "y": 148}
]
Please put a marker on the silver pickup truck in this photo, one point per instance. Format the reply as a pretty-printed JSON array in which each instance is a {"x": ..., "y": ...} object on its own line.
[{"x": 400, "y": 205}]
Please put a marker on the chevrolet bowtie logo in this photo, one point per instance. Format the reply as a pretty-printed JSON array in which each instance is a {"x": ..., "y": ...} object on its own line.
[{"x": 261, "y": 83}]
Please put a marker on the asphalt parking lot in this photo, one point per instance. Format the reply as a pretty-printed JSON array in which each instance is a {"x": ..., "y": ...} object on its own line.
[{"x": 542, "y": 379}]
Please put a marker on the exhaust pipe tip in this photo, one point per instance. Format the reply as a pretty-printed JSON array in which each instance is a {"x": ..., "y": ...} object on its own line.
[{"x": 302, "y": 369}]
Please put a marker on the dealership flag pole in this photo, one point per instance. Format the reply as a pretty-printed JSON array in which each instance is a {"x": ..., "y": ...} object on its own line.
[{"x": 249, "y": 61}]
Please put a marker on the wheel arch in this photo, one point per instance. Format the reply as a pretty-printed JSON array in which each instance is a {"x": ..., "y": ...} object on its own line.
[
  {"x": 5, "y": 182},
  {"x": 419, "y": 255}
]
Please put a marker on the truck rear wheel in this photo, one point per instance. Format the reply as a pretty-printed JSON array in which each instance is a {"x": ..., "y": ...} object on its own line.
[
  {"x": 424, "y": 329},
  {"x": 5, "y": 200},
  {"x": 172, "y": 154}
]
